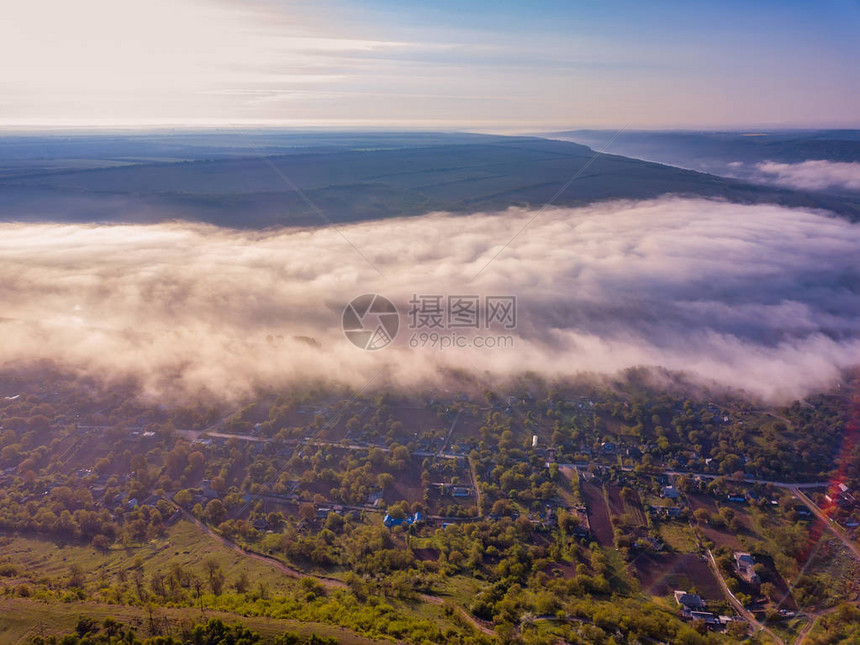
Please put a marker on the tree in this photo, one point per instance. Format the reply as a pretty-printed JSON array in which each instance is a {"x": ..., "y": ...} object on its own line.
[
  {"x": 307, "y": 512},
  {"x": 196, "y": 460},
  {"x": 500, "y": 507},
  {"x": 215, "y": 511},
  {"x": 241, "y": 583},
  {"x": 567, "y": 522},
  {"x": 76, "y": 576},
  {"x": 215, "y": 575},
  {"x": 737, "y": 630},
  {"x": 184, "y": 498},
  {"x": 384, "y": 480},
  {"x": 100, "y": 542},
  {"x": 138, "y": 464}
]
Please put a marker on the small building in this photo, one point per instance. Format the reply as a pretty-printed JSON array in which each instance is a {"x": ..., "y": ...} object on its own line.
[
  {"x": 802, "y": 511},
  {"x": 409, "y": 520},
  {"x": 670, "y": 492},
  {"x": 705, "y": 616},
  {"x": 390, "y": 522},
  {"x": 665, "y": 512},
  {"x": 689, "y": 600},
  {"x": 745, "y": 565},
  {"x": 260, "y": 524}
]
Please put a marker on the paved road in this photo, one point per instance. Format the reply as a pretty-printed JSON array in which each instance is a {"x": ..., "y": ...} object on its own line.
[
  {"x": 813, "y": 617},
  {"x": 194, "y": 434},
  {"x": 450, "y": 432},
  {"x": 751, "y": 480},
  {"x": 742, "y": 611},
  {"x": 747, "y": 615},
  {"x": 678, "y": 473},
  {"x": 477, "y": 488}
]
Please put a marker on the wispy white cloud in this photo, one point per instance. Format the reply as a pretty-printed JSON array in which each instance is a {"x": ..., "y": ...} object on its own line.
[{"x": 175, "y": 62}]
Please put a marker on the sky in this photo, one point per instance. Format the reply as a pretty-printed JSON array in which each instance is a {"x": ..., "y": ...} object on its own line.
[{"x": 489, "y": 66}]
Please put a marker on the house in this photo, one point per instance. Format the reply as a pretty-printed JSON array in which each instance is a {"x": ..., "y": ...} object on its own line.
[
  {"x": 260, "y": 524},
  {"x": 670, "y": 492},
  {"x": 672, "y": 512},
  {"x": 654, "y": 544},
  {"x": 745, "y": 566},
  {"x": 689, "y": 600},
  {"x": 409, "y": 520},
  {"x": 390, "y": 522},
  {"x": 802, "y": 511},
  {"x": 705, "y": 616},
  {"x": 373, "y": 497},
  {"x": 841, "y": 496},
  {"x": 737, "y": 498}
]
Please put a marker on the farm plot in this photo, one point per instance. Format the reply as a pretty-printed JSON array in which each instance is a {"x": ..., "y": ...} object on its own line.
[
  {"x": 662, "y": 573},
  {"x": 598, "y": 513},
  {"x": 626, "y": 506}
]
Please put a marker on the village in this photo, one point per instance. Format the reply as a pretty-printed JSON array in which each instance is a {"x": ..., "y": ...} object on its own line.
[{"x": 725, "y": 545}]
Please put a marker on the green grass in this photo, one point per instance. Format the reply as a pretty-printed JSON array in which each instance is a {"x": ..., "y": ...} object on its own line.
[
  {"x": 788, "y": 630},
  {"x": 461, "y": 589},
  {"x": 679, "y": 537},
  {"x": 618, "y": 574},
  {"x": 22, "y": 618},
  {"x": 184, "y": 544}
]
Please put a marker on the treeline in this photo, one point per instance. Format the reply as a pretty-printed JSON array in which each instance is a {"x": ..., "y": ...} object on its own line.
[{"x": 214, "y": 632}]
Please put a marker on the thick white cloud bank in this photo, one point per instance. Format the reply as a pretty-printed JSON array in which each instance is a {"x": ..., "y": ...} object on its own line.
[
  {"x": 815, "y": 174},
  {"x": 761, "y": 298}
]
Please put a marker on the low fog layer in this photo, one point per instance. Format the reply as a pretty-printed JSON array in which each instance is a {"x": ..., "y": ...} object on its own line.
[
  {"x": 761, "y": 298},
  {"x": 811, "y": 175}
]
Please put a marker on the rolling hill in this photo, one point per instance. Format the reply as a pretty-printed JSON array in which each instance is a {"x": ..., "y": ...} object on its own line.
[{"x": 299, "y": 180}]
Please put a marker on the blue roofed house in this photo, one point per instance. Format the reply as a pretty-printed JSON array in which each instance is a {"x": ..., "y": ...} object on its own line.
[{"x": 390, "y": 522}]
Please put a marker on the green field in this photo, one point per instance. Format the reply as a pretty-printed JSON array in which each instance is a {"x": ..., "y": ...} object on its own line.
[
  {"x": 184, "y": 544},
  {"x": 22, "y": 618}
]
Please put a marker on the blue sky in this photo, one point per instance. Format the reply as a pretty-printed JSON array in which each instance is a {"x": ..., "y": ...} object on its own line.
[{"x": 491, "y": 66}]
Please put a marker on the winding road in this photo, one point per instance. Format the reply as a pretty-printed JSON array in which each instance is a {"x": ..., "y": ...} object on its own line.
[{"x": 742, "y": 611}]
